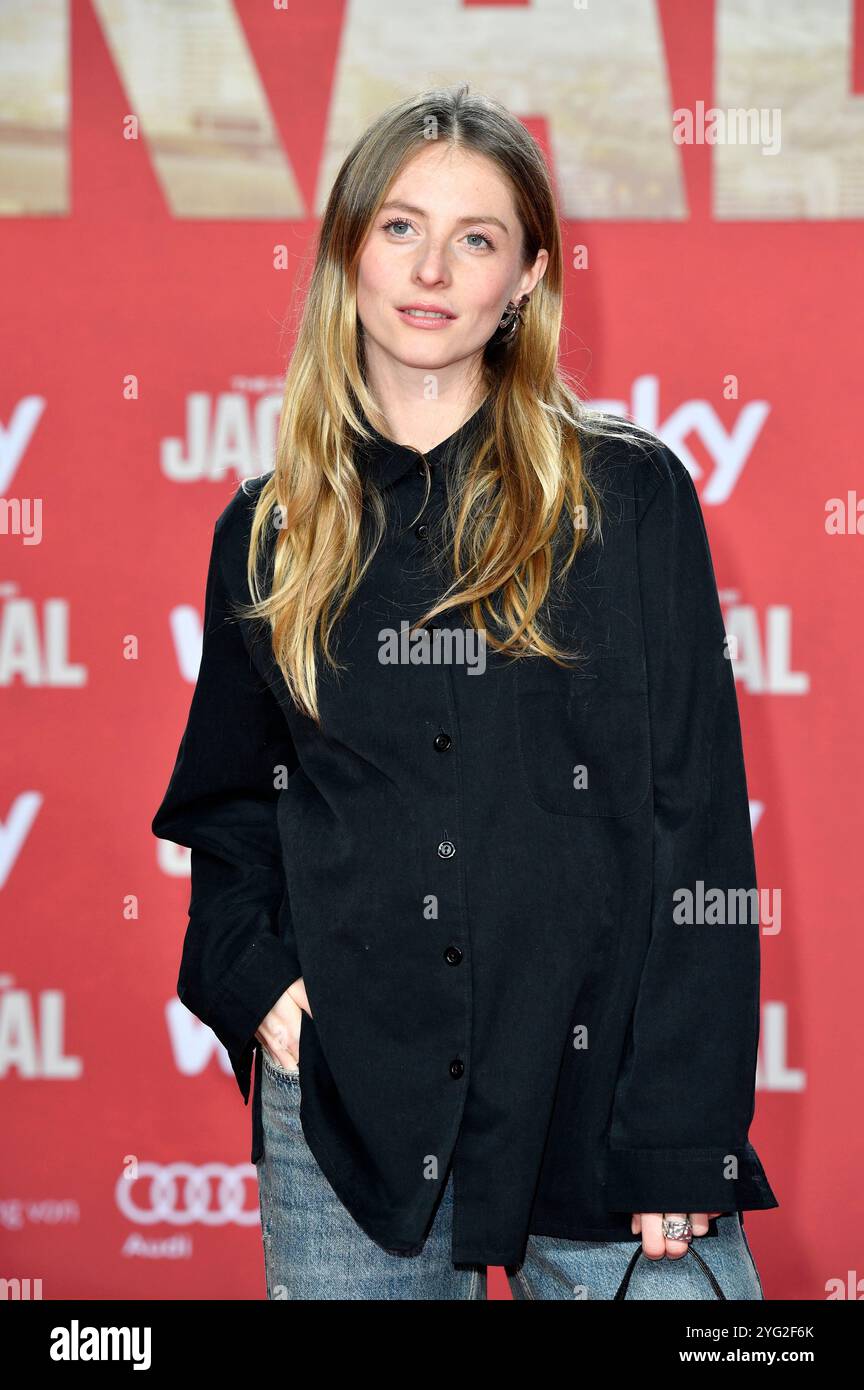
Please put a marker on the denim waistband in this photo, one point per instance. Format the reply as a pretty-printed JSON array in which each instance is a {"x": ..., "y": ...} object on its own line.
[{"x": 279, "y": 1070}]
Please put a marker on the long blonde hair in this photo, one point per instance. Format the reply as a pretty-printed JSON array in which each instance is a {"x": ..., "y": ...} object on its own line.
[{"x": 525, "y": 476}]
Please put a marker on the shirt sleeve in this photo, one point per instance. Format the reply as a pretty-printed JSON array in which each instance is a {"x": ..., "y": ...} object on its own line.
[
  {"x": 685, "y": 1094},
  {"x": 239, "y": 952}
]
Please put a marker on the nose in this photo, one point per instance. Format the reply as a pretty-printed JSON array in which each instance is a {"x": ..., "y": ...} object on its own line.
[{"x": 432, "y": 265}]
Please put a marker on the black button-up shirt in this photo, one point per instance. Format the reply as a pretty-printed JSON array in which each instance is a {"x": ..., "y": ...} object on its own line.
[{"x": 476, "y": 865}]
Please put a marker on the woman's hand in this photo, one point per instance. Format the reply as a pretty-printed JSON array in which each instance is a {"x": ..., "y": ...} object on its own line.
[
  {"x": 279, "y": 1032},
  {"x": 655, "y": 1244}
]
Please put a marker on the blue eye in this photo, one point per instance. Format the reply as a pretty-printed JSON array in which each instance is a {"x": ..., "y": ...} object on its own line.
[
  {"x": 397, "y": 222},
  {"x": 404, "y": 222}
]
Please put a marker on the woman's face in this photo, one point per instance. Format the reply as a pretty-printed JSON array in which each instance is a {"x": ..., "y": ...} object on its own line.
[{"x": 447, "y": 238}]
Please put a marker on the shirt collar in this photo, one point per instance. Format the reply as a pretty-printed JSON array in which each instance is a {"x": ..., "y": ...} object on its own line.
[{"x": 389, "y": 461}]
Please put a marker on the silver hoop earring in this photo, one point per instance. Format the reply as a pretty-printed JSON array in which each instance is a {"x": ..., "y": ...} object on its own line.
[{"x": 512, "y": 318}]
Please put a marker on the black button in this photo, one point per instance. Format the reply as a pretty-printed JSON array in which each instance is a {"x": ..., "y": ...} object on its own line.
[
  {"x": 421, "y": 531},
  {"x": 446, "y": 849},
  {"x": 453, "y": 955},
  {"x": 456, "y": 1068},
  {"x": 421, "y": 469},
  {"x": 442, "y": 742}
]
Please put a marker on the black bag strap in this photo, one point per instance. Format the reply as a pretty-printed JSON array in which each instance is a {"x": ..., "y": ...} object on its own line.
[{"x": 628, "y": 1273}]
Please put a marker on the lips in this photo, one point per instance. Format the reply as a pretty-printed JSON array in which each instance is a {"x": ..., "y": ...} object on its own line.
[
  {"x": 426, "y": 318},
  {"x": 426, "y": 311}
]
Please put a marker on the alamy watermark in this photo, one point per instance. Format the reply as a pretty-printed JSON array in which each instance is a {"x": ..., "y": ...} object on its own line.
[
  {"x": 736, "y": 126},
  {"x": 728, "y": 907},
  {"x": 438, "y": 646}
]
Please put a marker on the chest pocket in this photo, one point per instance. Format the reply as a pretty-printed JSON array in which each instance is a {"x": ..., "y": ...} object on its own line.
[{"x": 584, "y": 739}]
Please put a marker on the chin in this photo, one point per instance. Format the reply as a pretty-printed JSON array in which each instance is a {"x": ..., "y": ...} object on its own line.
[{"x": 422, "y": 355}]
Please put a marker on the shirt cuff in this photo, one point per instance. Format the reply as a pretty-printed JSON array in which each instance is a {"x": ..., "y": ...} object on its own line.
[
  {"x": 685, "y": 1180},
  {"x": 260, "y": 976}
]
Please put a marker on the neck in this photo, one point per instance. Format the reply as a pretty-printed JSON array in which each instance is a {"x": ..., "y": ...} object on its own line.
[{"x": 420, "y": 422}]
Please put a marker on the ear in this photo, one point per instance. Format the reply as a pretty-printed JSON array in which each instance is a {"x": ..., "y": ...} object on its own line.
[{"x": 531, "y": 278}]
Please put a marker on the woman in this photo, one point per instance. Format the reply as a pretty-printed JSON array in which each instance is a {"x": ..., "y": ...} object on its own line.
[{"x": 447, "y": 776}]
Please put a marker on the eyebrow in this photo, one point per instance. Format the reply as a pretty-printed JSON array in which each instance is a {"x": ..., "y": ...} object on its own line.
[{"x": 462, "y": 221}]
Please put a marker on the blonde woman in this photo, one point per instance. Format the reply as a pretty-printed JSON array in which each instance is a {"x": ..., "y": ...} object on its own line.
[{"x": 464, "y": 732}]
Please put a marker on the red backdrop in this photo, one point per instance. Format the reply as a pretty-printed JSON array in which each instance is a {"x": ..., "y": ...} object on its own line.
[{"x": 163, "y": 171}]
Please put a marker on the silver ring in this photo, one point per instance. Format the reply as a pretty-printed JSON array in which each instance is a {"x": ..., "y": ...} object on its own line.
[{"x": 677, "y": 1229}]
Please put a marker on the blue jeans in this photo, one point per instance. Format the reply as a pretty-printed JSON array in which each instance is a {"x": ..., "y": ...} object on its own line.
[{"x": 314, "y": 1249}]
